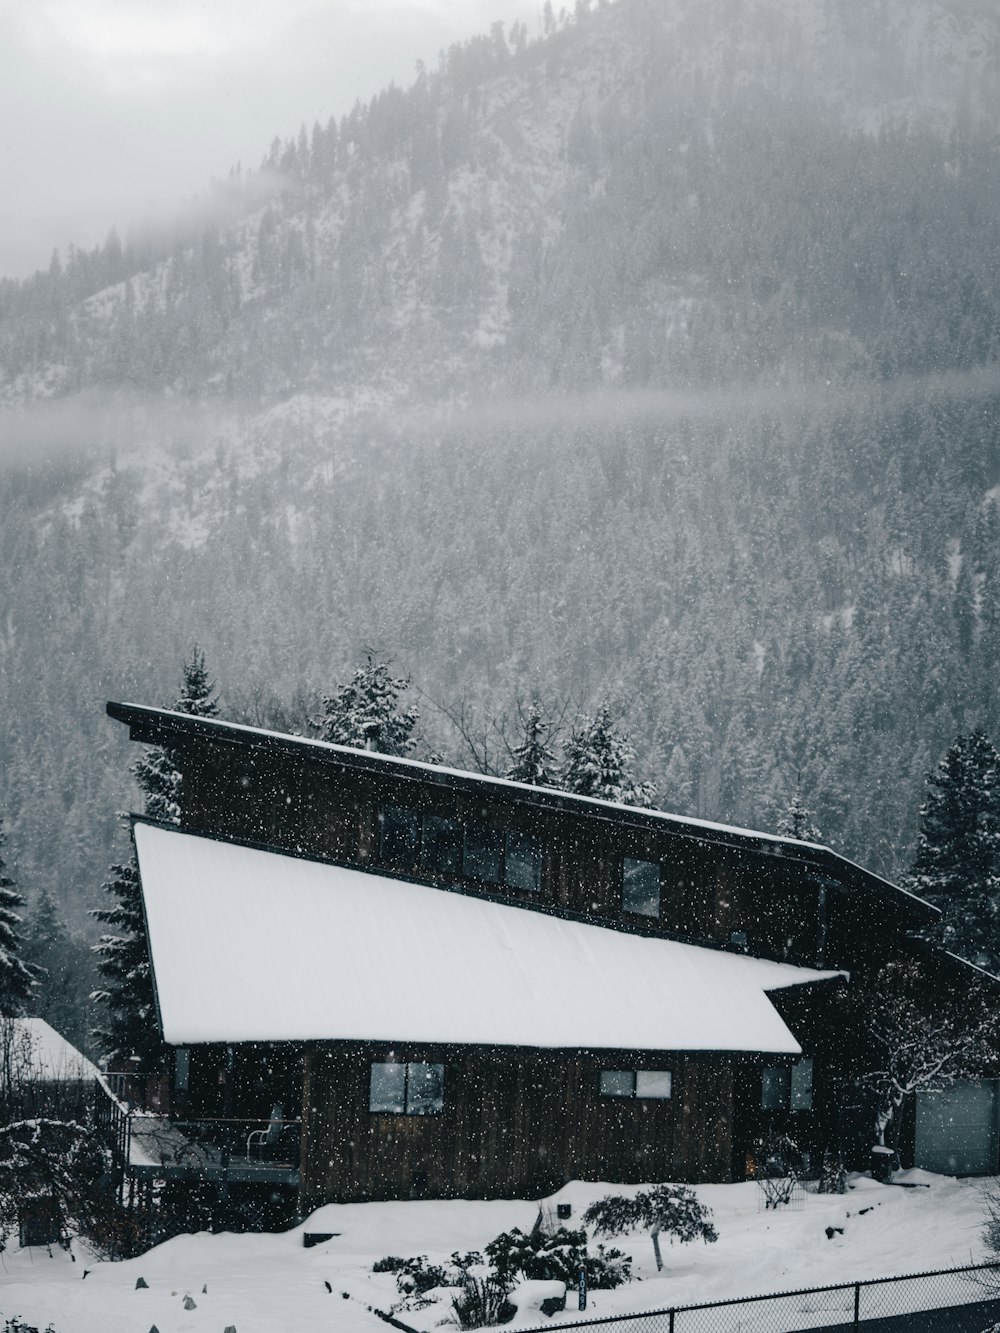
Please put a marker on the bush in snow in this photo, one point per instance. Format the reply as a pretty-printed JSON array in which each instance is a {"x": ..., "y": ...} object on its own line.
[
  {"x": 482, "y": 1302},
  {"x": 557, "y": 1255},
  {"x": 833, "y": 1177},
  {"x": 672, "y": 1210},
  {"x": 415, "y": 1277},
  {"x": 780, "y": 1165}
]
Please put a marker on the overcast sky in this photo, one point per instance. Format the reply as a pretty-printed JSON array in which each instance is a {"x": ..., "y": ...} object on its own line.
[{"x": 111, "y": 110}]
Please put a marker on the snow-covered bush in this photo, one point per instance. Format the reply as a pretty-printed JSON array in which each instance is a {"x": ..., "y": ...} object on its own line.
[
  {"x": 417, "y": 1276},
  {"x": 482, "y": 1302},
  {"x": 557, "y": 1255},
  {"x": 833, "y": 1177},
  {"x": 673, "y": 1210}
]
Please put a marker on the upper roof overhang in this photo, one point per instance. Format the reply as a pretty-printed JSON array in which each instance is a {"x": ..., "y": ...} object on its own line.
[{"x": 165, "y": 727}]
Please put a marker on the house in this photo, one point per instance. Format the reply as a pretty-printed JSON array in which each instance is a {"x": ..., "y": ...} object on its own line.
[{"x": 389, "y": 979}]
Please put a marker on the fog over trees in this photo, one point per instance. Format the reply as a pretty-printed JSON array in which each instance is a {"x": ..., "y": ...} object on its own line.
[{"x": 648, "y": 359}]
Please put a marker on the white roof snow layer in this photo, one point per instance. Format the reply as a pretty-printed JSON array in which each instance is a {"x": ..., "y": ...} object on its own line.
[
  {"x": 40, "y": 1052},
  {"x": 250, "y": 945}
]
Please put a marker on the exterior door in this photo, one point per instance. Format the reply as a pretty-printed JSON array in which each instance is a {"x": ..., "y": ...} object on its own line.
[{"x": 956, "y": 1129}]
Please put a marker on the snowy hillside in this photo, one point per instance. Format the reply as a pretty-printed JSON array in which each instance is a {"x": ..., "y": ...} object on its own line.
[{"x": 652, "y": 357}]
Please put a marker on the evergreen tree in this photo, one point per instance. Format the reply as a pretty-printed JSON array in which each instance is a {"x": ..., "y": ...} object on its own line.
[
  {"x": 64, "y": 964},
  {"x": 598, "y": 762},
  {"x": 796, "y": 822},
  {"x": 957, "y": 864},
  {"x": 157, "y": 771},
  {"x": 534, "y": 762},
  {"x": 123, "y": 951},
  {"x": 365, "y": 712},
  {"x": 17, "y": 978},
  {"x": 127, "y": 996}
]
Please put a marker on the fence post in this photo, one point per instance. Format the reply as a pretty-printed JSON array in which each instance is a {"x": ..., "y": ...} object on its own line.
[
  {"x": 670, "y": 1326},
  {"x": 857, "y": 1303}
]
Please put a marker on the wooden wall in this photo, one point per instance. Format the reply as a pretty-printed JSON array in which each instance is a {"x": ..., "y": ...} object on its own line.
[
  {"x": 709, "y": 892},
  {"x": 515, "y": 1124}
]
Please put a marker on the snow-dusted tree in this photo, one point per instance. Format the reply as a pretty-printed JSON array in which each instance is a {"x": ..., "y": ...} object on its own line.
[
  {"x": 156, "y": 770},
  {"x": 365, "y": 712},
  {"x": 957, "y": 864},
  {"x": 598, "y": 762},
  {"x": 796, "y": 821},
  {"x": 122, "y": 951},
  {"x": 533, "y": 760},
  {"x": 925, "y": 1037},
  {"x": 670, "y": 1210},
  {"x": 57, "y": 1165},
  {"x": 127, "y": 998},
  {"x": 17, "y": 978}
]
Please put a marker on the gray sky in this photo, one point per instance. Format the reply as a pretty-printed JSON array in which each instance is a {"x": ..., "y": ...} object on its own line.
[{"x": 113, "y": 110}]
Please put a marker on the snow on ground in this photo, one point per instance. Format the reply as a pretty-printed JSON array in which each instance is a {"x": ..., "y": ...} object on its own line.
[{"x": 267, "y": 1283}]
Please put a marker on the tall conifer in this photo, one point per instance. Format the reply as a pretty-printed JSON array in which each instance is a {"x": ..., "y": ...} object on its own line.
[
  {"x": 17, "y": 978},
  {"x": 127, "y": 997},
  {"x": 957, "y": 864}
]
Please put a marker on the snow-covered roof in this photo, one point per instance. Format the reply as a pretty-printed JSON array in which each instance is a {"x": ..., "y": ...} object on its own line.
[
  {"x": 40, "y": 1052},
  {"x": 252, "y": 945},
  {"x": 141, "y": 717}
]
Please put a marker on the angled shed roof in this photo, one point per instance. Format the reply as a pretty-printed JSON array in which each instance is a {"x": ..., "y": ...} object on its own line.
[
  {"x": 253, "y": 945},
  {"x": 163, "y": 726}
]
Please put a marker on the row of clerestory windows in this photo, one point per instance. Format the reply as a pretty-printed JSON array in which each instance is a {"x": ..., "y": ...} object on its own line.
[
  {"x": 475, "y": 850},
  {"x": 471, "y": 848}
]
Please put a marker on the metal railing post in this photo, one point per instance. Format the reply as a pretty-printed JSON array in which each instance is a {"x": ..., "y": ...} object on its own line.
[
  {"x": 670, "y": 1326},
  {"x": 857, "y": 1303}
]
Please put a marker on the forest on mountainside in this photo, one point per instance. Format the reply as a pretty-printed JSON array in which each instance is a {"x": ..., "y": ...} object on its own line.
[{"x": 585, "y": 367}]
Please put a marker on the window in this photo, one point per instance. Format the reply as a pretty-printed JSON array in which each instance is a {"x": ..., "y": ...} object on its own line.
[
  {"x": 642, "y": 1084},
  {"x": 483, "y": 852},
  {"x": 442, "y": 844},
  {"x": 522, "y": 862},
  {"x": 788, "y": 1087},
  {"x": 641, "y": 887},
  {"x": 400, "y": 843},
  {"x": 406, "y": 1089}
]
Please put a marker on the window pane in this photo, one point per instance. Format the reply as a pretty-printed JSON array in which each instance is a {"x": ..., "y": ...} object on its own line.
[
  {"x": 641, "y": 887},
  {"x": 442, "y": 845},
  {"x": 801, "y": 1098},
  {"x": 425, "y": 1089},
  {"x": 482, "y": 852},
  {"x": 388, "y": 1088},
  {"x": 400, "y": 836},
  {"x": 617, "y": 1083},
  {"x": 652, "y": 1083},
  {"x": 522, "y": 861},
  {"x": 774, "y": 1089}
]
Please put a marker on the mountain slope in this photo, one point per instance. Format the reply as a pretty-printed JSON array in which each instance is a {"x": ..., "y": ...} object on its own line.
[{"x": 657, "y": 357}]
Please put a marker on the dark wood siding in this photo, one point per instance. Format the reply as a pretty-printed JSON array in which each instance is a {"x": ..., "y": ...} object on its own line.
[
  {"x": 514, "y": 1124},
  {"x": 708, "y": 892}
]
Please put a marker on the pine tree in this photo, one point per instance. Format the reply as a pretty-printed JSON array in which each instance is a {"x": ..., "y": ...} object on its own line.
[
  {"x": 534, "y": 761},
  {"x": 957, "y": 863},
  {"x": 17, "y": 978},
  {"x": 796, "y": 822},
  {"x": 598, "y": 762},
  {"x": 365, "y": 712},
  {"x": 123, "y": 962},
  {"x": 123, "y": 951},
  {"x": 157, "y": 771}
]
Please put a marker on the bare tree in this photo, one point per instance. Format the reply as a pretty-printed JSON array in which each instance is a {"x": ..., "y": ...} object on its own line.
[{"x": 926, "y": 1037}]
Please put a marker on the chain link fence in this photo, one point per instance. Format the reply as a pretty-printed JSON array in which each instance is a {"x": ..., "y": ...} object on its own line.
[{"x": 953, "y": 1300}]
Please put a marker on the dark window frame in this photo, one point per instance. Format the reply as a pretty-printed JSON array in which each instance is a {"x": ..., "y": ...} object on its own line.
[
  {"x": 516, "y": 849},
  {"x": 635, "y": 1095},
  {"x": 636, "y": 910},
  {"x": 407, "y": 1066}
]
